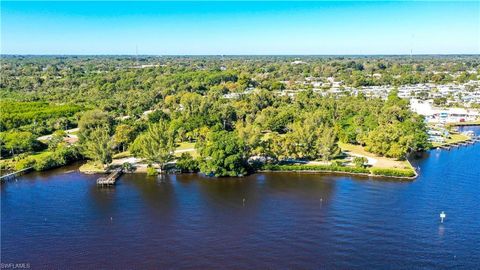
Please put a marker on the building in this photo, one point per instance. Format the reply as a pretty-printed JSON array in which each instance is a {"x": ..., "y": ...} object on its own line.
[{"x": 443, "y": 115}]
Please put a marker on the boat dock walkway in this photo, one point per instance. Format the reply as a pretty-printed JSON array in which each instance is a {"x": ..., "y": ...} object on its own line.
[
  {"x": 13, "y": 175},
  {"x": 111, "y": 179}
]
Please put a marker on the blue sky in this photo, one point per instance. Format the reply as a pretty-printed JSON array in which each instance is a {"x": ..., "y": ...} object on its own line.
[{"x": 170, "y": 28}]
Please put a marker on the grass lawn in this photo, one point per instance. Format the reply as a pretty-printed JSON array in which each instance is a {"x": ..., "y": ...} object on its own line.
[
  {"x": 40, "y": 154},
  {"x": 382, "y": 162},
  {"x": 91, "y": 167},
  {"x": 181, "y": 148},
  {"x": 186, "y": 147},
  {"x": 122, "y": 155}
]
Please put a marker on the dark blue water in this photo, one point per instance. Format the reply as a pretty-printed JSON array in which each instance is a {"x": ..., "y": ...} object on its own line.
[{"x": 60, "y": 219}]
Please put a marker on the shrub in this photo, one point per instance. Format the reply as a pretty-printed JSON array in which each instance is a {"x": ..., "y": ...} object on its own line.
[
  {"x": 186, "y": 163},
  {"x": 24, "y": 163},
  {"x": 45, "y": 162},
  {"x": 337, "y": 163},
  {"x": 128, "y": 167},
  {"x": 66, "y": 154},
  {"x": 393, "y": 172},
  {"x": 334, "y": 168},
  {"x": 360, "y": 161},
  {"x": 48, "y": 160},
  {"x": 151, "y": 171}
]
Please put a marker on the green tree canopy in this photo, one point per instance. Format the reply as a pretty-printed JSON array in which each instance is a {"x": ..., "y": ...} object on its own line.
[
  {"x": 156, "y": 145},
  {"x": 222, "y": 154}
]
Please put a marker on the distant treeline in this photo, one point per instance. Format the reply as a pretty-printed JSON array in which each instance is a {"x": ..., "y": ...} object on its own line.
[{"x": 131, "y": 85}]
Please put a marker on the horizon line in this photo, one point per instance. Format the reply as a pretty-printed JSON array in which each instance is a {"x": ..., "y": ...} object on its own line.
[{"x": 160, "y": 55}]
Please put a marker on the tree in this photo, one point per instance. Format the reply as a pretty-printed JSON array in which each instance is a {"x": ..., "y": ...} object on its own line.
[
  {"x": 276, "y": 147},
  {"x": 98, "y": 146},
  {"x": 57, "y": 138},
  {"x": 275, "y": 119},
  {"x": 91, "y": 120},
  {"x": 156, "y": 145},
  {"x": 191, "y": 103},
  {"x": 327, "y": 143},
  {"x": 252, "y": 138},
  {"x": 223, "y": 154},
  {"x": 17, "y": 141},
  {"x": 124, "y": 135},
  {"x": 186, "y": 163},
  {"x": 302, "y": 140}
]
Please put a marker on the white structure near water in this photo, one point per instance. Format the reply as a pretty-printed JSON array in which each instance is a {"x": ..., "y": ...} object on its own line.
[{"x": 443, "y": 115}]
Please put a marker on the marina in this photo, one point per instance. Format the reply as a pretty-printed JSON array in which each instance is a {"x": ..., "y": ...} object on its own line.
[{"x": 468, "y": 142}]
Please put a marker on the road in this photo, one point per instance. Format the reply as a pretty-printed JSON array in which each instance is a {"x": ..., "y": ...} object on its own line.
[{"x": 69, "y": 132}]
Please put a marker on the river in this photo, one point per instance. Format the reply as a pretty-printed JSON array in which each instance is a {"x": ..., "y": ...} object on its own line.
[{"x": 60, "y": 219}]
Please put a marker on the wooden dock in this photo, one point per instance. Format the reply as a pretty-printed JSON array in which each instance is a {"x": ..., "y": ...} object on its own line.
[
  {"x": 14, "y": 175},
  {"x": 111, "y": 179},
  {"x": 467, "y": 142}
]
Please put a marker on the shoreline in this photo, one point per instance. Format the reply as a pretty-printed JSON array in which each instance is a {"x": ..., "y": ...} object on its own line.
[
  {"x": 410, "y": 178},
  {"x": 343, "y": 173},
  {"x": 142, "y": 170},
  {"x": 370, "y": 173}
]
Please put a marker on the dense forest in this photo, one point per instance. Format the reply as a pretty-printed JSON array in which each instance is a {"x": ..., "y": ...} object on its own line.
[
  {"x": 235, "y": 109},
  {"x": 131, "y": 85}
]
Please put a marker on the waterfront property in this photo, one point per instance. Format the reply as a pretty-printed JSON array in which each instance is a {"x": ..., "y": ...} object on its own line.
[
  {"x": 266, "y": 220},
  {"x": 443, "y": 115},
  {"x": 111, "y": 178}
]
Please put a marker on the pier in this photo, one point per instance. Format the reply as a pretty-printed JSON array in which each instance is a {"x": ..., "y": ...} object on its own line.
[
  {"x": 111, "y": 179},
  {"x": 470, "y": 141},
  {"x": 13, "y": 175}
]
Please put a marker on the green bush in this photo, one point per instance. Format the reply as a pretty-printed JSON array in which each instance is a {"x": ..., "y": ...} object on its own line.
[
  {"x": 186, "y": 163},
  {"x": 334, "y": 168},
  {"x": 360, "y": 161},
  {"x": 393, "y": 172},
  {"x": 24, "y": 163},
  {"x": 62, "y": 156},
  {"x": 129, "y": 167},
  {"x": 151, "y": 171},
  {"x": 337, "y": 163},
  {"x": 66, "y": 154},
  {"x": 46, "y": 162}
]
